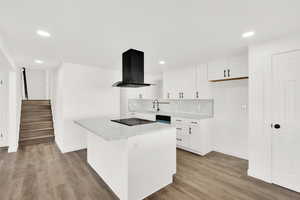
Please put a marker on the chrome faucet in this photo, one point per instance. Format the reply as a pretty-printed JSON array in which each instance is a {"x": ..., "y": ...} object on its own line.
[{"x": 157, "y": 105}]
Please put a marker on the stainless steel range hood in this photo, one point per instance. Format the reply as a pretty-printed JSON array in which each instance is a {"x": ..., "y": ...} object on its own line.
[{"x": 133, "y": 70}]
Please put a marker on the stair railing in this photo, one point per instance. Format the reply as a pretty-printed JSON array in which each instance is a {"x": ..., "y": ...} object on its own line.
[{"x": 25, "y": 83}]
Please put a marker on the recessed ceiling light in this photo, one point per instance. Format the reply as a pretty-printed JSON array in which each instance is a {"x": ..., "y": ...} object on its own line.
[
  {"x": 43, "y": 33},
  {"x": 39, "y": 61},
  {"x": 162, "y": 62},
  {"x": 248, "y": 34}
]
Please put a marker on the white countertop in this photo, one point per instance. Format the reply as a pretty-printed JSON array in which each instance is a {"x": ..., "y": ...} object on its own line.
[{"x": 108, "y": 130}]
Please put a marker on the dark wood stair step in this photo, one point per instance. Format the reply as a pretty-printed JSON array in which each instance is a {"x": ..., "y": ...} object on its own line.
[
  {"x": 36, "y": 125},
  {"x": 33, "y": 108},
  {"x": 37, "y": 140},
  {"x": 36, "y": 113},
  {"x": 36, "y": 133},
  {"x": 36, "y": 118},
  {"x": 36, "y": 102}
]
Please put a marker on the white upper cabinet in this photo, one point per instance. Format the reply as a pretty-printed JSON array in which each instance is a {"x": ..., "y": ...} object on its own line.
[
  {"x": 202, "y": 85},
  {"x": 238, "y": 67},
  {"x": 232, "y": 68},
  {"x": 170, "y": 90},
  {"x": 193, "y": 82},
  {"x": 179, "y": 83},
  {"x": 187, "y": 82},
  {"x": 217, "y": 70}
]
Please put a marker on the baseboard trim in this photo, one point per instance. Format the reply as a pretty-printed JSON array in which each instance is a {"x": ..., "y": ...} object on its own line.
[
  {"x": 13, "y": 149},
  {"x": 252, "y": 174},
  {"x": 69, "y": 149}
]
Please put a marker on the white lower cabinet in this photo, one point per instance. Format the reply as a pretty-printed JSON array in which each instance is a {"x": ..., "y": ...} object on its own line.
[{"x": 193, "y": 135}]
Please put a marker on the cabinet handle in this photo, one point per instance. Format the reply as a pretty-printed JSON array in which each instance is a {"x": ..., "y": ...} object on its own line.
[
  {"x": 224, "y": 73},
  {"x": 178, "y": 120},
  {"x": 179, "y": 95},
  {"x": 179, "y": 129},
  {"x": 194, "y": 122},
  {"x": 190, "y": 130},
  {"x": 168, "y": 95},
  {"x": 182, "y": 94},
  {"x": 197, "y": 95},
  {"x": 228, "y": 72},
  {"x": 178, "y": 139}
]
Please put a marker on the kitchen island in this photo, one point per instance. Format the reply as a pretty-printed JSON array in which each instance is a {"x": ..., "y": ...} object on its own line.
[{"x": 134, "y": 161}]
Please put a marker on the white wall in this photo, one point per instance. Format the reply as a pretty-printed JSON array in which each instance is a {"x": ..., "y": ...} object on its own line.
[
  {"x": 15, "y": 101},
  {"x": 230, "y": 129},
  {"x": 36, "y": 84},
  {"x": 12, "y": 91},
  {"x": 81, "y": 92},
  {"x": 259, "y": 103},
  {"x": 4, "y": 105}
]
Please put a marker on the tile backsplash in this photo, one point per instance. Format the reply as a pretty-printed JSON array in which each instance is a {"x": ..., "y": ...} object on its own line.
[{"x": 183, "y": 106}]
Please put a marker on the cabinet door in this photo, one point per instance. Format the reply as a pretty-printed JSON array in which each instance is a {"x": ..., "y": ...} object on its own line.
[
  {"x": 177, "y": 86},
  {"x": 179, "y": 136},
  {"x": 182, "y": 133},
  {"x": 188, "y": 82},
  {"x": 238, "y": 67},
  {"x": 185, "y": 137},
  {"x": 195, "y": 138},
  {"x": 170, "y": 84},
  {"x": 202, "y": 85},
  {"x": 217, "y": 70}
]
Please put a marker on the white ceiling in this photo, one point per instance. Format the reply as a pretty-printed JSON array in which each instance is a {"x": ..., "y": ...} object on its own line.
[{"x": 181, "y": 32}]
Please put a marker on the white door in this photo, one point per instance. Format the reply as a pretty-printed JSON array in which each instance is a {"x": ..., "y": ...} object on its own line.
[
  {"x": 286, "y": 114},
  {"x": 36, "y": 84}
]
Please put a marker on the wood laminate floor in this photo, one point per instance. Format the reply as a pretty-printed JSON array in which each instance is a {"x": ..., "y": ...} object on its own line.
[{"x": 41, "y": 172}]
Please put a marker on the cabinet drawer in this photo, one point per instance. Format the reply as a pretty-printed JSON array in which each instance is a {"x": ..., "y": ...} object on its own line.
[
  {"x": 192, "y": 122},
  {"x": 179, "y": 121}
]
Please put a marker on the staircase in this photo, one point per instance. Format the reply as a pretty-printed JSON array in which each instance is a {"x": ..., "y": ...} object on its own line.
[{"x": 36, "y": 122}]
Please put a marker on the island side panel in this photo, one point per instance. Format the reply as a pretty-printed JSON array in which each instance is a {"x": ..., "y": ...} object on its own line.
[
  {"x": 152, "y": 162},
  {"x": 110, "y": 160}
]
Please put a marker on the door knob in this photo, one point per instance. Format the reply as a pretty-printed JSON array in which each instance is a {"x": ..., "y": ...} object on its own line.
[{"x": 277, "y": 126}]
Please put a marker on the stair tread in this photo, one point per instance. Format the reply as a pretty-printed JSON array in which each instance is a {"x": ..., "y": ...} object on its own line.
[
  {"x": 27, "y": 121},
  {"x": 36, "y": 130},
  {"x": 38, "y": 122},
  {"x": 36, "y": 137}
]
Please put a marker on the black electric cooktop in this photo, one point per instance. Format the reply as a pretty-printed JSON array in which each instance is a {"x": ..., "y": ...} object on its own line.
[{"x": 133, "y": 121}]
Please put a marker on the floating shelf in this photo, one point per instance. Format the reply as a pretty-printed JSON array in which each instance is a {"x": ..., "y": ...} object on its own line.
[{"x": 229, "y": 79}]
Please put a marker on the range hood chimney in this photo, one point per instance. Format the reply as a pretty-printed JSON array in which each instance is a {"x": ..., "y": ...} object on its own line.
[{"x": 133, "y": 69}]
